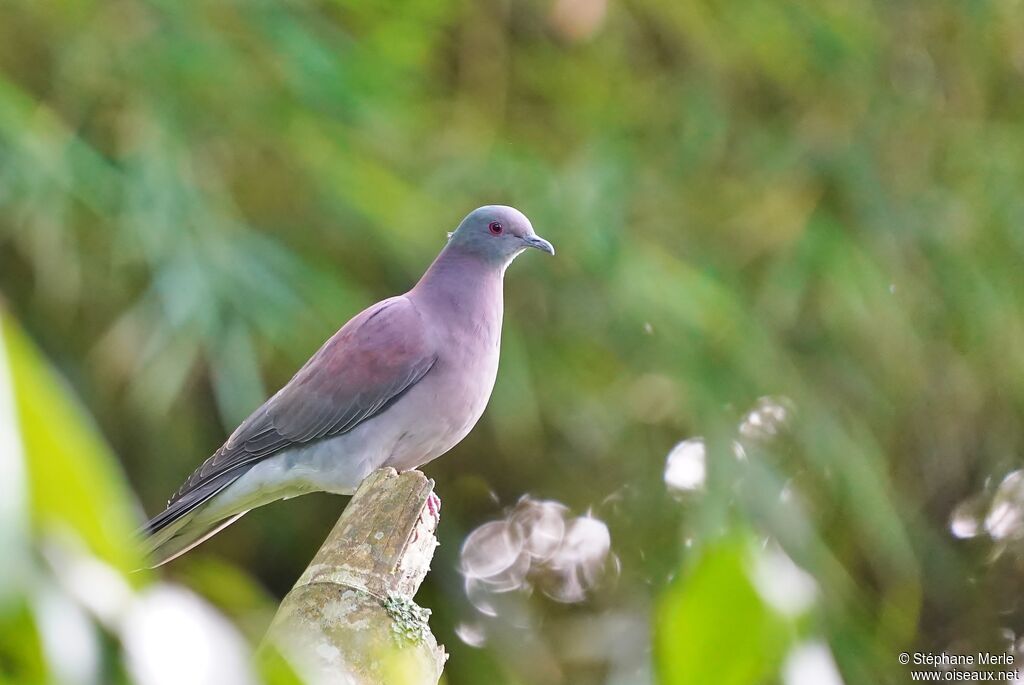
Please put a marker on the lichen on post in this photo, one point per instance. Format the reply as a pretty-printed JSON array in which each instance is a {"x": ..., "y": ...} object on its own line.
[{"x": 350, "y": 618}]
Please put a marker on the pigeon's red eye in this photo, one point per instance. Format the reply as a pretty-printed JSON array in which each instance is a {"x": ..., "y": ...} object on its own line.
[{"x": 495, "y": 227}]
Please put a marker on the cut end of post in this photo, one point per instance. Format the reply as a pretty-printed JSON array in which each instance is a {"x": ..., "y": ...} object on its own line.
[
  {"x": 350, "y": 617},
  {"x": 384, "y": 541}
]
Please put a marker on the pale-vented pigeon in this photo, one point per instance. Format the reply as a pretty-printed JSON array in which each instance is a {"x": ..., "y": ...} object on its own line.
[{"x": 399, "y": 385}]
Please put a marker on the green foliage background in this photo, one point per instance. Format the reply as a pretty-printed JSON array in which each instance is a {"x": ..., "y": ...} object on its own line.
[{"x": 820, "y": 201}]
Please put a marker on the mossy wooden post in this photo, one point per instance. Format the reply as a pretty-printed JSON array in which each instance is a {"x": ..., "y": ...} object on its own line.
[{"x": 350, "y": 618}]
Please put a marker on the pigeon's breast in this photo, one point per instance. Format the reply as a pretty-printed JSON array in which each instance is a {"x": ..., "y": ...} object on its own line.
[{"x": 440, "y": 410}]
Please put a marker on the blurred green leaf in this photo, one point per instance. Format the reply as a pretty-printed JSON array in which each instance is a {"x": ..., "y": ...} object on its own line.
[
  {"x": 713, "y": 627},
  {"x": 75, "y": 485},
  {"x": 274, "y": 668},
  {"x": 14, "y": 535},
  {"x": 21, "y": 652}
]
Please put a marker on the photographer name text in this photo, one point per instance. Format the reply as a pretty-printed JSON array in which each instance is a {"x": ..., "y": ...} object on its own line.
[{"x": 944, "y": 659}]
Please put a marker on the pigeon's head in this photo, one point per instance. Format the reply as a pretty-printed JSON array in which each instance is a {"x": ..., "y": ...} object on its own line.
[{"x": 498, "y": 233}]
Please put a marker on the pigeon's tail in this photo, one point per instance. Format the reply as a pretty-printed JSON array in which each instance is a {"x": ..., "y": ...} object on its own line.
[
  {"x": 188, "y": 521},
  {"x": 173, "y": 541}
]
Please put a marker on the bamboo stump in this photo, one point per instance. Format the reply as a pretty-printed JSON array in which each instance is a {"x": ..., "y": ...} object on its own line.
[{"x": 350, "y": 618}]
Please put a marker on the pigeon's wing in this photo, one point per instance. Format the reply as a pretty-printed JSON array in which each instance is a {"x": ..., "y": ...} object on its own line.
[{"x": 363, "y": 369}]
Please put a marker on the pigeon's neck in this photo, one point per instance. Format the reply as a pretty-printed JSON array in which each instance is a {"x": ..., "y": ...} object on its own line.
[{"x": 464, "y": 285}]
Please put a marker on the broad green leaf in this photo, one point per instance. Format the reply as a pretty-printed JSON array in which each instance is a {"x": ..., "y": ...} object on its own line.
[
  {"x": 13, "y": 514},
  {"x": 274, "y": 668},
  {"x": 74, "y": 482},
  {"x": 21, "y": 654},
  {"x": 713, "y": 627}
]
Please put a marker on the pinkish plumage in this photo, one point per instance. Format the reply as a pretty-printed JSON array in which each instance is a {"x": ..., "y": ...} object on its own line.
[{"x": 398, "y": 385}]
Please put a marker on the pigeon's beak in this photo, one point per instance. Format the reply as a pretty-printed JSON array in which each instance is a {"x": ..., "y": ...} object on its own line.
[{"x": 539, "y": 243}]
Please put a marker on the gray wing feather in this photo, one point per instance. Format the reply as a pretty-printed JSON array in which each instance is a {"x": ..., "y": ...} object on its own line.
[{"x": 358, "y": 373}]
